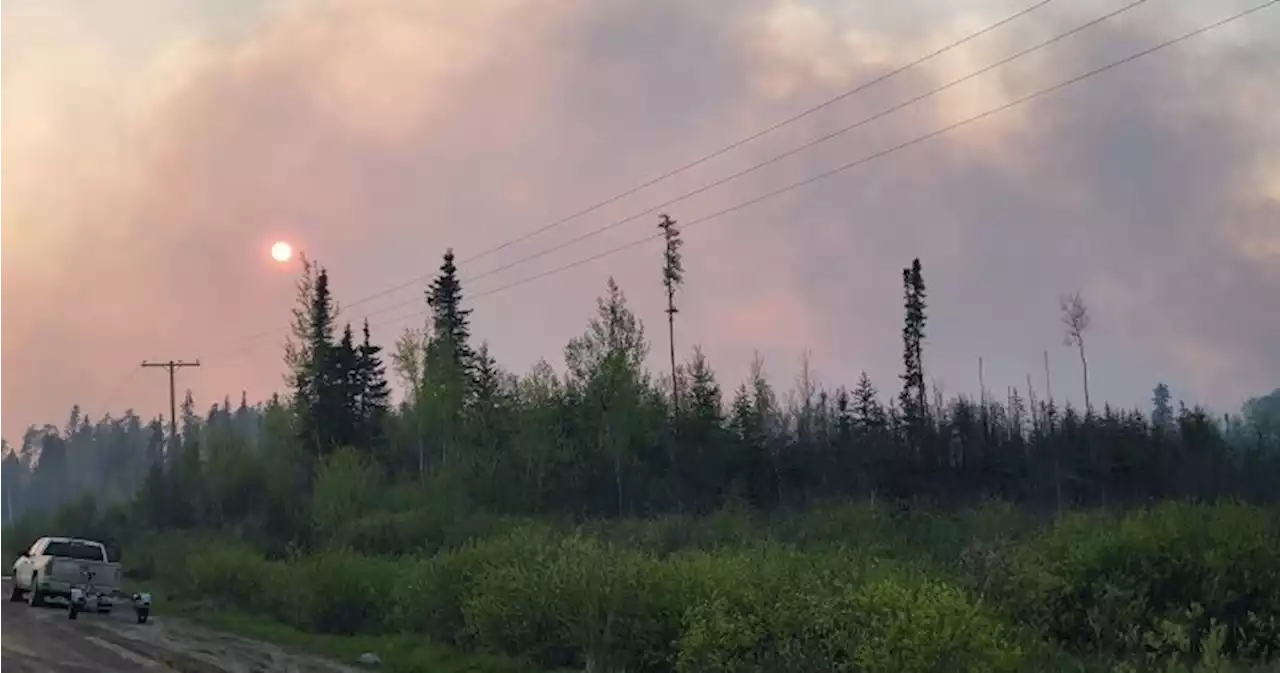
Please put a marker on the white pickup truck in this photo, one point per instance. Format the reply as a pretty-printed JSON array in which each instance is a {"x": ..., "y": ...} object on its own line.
[{"x": 53, "y": 566}]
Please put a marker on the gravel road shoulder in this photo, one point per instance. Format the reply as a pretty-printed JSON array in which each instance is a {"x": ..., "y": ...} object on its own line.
[{"x": 43, "y": 639}]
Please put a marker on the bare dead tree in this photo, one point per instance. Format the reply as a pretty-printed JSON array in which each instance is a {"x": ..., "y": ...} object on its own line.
[{"x": 1076, "y": 320}]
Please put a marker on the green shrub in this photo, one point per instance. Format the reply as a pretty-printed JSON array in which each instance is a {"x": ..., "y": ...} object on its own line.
[
  {"x": 584, "y": 604},
  {"x": 346, "y": 593},
  {"x": 753, "y": 628},
  {"x": 225, "y": 571},
  {"x": 418, "y": 531},
  {"x": 432, "y": 591},
  {"x": 723, "y": 529},
  {"x": 847, "y": 588},
  {"x": 511, "y": 607},
  {"x": 228, "y": 572},
  {"x": 926, "y": 625},
  {"x": 1105, "y": 586},
  {"x": 346, "y": 484},
  {"x": 801, "y": 613}
]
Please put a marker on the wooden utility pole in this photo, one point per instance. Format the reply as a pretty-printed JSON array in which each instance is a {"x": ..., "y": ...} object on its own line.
[{"x": 172, "y": 366}]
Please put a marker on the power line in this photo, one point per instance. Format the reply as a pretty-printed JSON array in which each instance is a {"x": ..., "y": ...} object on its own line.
[
  {"x": 172, "y": 366},
  {"x": 791, "y": 152},
  {"x": 727, "y": 148},
  {"x": 245, "y": 341},
  {"x": 866, "y": 159},
  {"x": 124, "y": 380},
  {"x": 877, "y": 155}
]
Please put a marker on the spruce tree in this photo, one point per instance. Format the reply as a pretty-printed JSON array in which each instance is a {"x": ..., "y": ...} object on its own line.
[
  {"x": 1162, "y": 410},
  {"x": 703, "y": 464},
  {"x": 345, "y": 391},
  {"x": 488, "y": 420},
  {"x": 913, "y": 398},
  {"x": 450, "y": 322},
  {"x": 447, "y": 382},
  {"x": 374, "y": 392},
  {"x": 487, "y": 382},
  {"x": 751, "y": 467},
  {"x": 845, "y": 423},
  {"x": 868, "y": 415},
  {"x": 318, "y": 390}
]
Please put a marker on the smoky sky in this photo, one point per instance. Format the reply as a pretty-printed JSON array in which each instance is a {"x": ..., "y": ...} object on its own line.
[{"x": 153, "y": 151}]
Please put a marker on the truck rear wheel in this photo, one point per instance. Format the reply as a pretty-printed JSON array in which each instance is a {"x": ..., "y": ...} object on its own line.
[{"x": 34, "y": 598}]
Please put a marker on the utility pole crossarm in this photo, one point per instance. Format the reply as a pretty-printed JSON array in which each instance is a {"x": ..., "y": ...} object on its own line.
[
  {"x": 172, "y": 366},
  {"x": 171, "y": 363}
]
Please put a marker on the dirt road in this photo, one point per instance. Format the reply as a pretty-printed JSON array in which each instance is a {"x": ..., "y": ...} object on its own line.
[{"x": 44, "y": 640}]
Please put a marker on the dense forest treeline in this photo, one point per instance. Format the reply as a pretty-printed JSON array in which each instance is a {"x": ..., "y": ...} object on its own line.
[
  {"x": 603, "y": 437},
  {"x": 483, "y": 497}
]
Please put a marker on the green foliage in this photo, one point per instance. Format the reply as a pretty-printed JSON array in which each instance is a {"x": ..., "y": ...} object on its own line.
[
  {"x": 434, "y": 592},
  {"x": 345, "y": 593},
  {"x": 1123, "y": 585},
  {"x": 809, "y": 531},
  {"x": 346, "y": 484},
  {"x": 236, "y": 575},
  {"x": 420, "y": 531}
]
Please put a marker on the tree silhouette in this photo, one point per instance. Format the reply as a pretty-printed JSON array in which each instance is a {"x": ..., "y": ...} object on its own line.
[{"x": 1075, "y": 321}]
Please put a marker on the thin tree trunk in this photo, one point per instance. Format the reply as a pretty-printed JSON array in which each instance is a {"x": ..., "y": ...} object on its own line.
[
  {"x": 1084, "y": 367},
  {"x": 422, "y": 451},
  {"x": 671, "y": 340},
  {"x": 675, "y": 401}
]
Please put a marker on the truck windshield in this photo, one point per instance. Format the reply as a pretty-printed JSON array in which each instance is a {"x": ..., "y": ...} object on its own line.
[{"x": 75, "y": 550}]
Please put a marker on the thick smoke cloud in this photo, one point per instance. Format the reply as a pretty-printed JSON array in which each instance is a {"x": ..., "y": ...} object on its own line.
[{"x": 151, "y": 163}]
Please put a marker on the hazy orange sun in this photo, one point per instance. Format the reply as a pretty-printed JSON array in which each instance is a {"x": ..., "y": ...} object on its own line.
[{"x": 281, "y": 251}]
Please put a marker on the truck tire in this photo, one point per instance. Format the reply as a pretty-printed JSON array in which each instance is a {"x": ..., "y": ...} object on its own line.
[{"x": 35, "y": 599}]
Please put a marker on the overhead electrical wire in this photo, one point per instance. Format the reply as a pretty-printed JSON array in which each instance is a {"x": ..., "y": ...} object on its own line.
[
  {"x": 718, "y": 152},
  {"x": 788, "y": 153},
  {"x": 242, "y": 341},
  {"x": 685, "y": 225}
]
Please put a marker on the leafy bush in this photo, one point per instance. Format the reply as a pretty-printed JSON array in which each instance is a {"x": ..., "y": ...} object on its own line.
[
  {"x": 1110, "y": 586},
  {"x": 1171, "y": 586},
  {"x": 582, "y": 603},
  {"x": 345, "y": 593},
  {"x": 345, "y": 487},
  {"x": 417, "y": 531},
  {"x": 927, "y": 625},
  {"x": 869, "y": 619},
  {"x": 432, "y": 591},
  {"x": 226, "y": 571}
]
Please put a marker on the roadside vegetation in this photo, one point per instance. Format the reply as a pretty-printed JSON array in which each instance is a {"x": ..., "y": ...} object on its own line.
[{"x": 604, "y": 518}]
